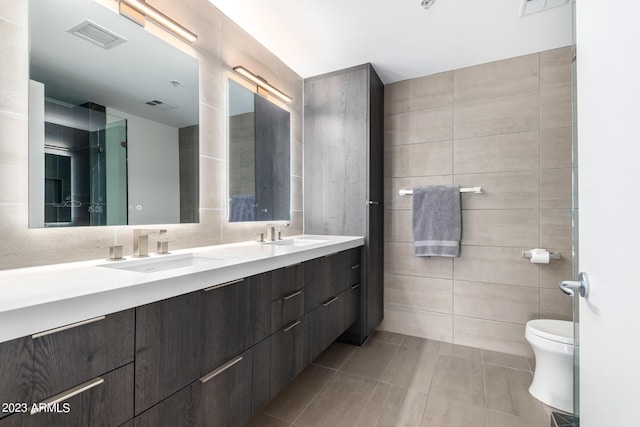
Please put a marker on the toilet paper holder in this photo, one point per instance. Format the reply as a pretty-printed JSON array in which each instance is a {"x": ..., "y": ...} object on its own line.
[{"x": 552, "y": 255}]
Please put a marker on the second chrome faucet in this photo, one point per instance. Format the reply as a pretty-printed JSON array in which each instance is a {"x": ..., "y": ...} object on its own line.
[{"x": 141, "y": 241}]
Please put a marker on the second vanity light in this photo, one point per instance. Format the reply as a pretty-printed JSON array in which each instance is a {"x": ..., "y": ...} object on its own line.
[
  {"x": 262, "y": 83},
  {"x": 137, "y": 10}
]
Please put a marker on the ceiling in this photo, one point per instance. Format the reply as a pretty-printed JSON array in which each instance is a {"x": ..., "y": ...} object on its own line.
[
  {"x": 123, "y": 77},
  {"x": 399, "y": 37}
]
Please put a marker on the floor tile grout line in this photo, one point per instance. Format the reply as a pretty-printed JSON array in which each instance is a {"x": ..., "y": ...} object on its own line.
[
  {"x": 364, "y": 409},
  {"x": 276, "y": 417},
  {"x": 315, "y": 397}
]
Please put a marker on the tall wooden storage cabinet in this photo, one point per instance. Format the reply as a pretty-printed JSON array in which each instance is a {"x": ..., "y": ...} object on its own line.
[{"x": 343, "y": 174}]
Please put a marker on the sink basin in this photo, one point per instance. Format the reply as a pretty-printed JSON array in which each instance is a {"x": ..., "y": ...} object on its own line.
[
  {"x": 296, "y": 242},
  {"x": 164, "y": 263}
]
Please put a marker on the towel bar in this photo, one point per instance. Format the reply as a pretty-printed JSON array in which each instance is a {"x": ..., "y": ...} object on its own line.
[{"x": 462, "y": 190}]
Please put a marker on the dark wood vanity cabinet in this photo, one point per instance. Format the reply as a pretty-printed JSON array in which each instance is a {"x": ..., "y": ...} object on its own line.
[
  {"x": 213, "y": 357},
  {"x": 90, "y": 361}
]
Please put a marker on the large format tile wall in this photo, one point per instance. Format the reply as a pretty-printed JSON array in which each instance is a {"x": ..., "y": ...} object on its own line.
[
  {"x": 505, "y": 126},
  {"x": 222, "y": 45}
]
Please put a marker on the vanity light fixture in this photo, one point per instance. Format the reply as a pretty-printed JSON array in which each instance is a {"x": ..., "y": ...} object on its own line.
[
  {"x": 141, "y": 10},
  {"x": 262, "y": 83}
]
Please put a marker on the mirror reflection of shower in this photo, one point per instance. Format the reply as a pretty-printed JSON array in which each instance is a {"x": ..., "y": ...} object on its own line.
[{"x": 82, "y": 143}]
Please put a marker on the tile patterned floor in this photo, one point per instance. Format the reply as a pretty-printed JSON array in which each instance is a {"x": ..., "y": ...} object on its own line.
[{"x": 397, "y": 380}]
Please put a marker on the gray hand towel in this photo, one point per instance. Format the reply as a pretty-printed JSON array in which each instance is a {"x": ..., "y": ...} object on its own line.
[{"x": 437, "y": 223}]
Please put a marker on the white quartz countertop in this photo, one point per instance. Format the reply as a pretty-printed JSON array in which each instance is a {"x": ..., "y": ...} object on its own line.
[{"x": 37, "y": 299}]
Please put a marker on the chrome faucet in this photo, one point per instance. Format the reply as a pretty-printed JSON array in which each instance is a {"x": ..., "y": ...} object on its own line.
[
  {"x": 141, "y": 241},
  {"x": 271, "y": 231}
]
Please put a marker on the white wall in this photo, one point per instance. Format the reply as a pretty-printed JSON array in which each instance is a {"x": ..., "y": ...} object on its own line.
[
  {"x": 609, "y": 152},
  {"x": 154, "y": 186}
]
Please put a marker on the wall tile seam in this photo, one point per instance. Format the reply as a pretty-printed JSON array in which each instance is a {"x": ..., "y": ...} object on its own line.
[
  {"x": 417, "y": 309},
  {"x": 514, "y": 285},
  {"x": 486, "y": 100},
  {"x": 15, "y": 114},
  {"x": 499, "y": 134},
  {"x": 483, "y": 209},
  {"x": 204, "y": 156},
  {"x": 495, "y": 321},
  {"x": 217, "y": 109},
  {"x": 414, "y": 309},
  {"x": 434, "y": 141},
  {"x": 433, "y": 107}
]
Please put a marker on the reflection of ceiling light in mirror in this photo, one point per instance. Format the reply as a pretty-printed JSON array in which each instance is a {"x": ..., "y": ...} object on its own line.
[
  {"x": 427, "y": 3},
  {"x": 161, "y": 19},
  {"x": 262, "y": 83}
]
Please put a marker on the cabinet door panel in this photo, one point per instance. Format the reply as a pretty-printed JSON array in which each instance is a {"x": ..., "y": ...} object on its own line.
[
  {"x": 235, "y": 317},
  {"x": 67, "y": 358},
  {"x": 325, "y": 324},
  {"x": 15, "y": 371},
  {"x": 287, "y": 355},
  {"x": 235, "y": 391},
  {"x": 287, "y": 280},
  {"x": 175, "y": 411},
  {"x": 287, "y": 309},
  {"x": 324, "y": 278},
  {"x": 168, "y": 345},
  {"x": 353, "y": 294},
  {"x": 109, "y": 403}
]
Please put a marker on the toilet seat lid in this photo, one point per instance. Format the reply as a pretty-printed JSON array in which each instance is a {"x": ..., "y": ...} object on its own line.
[{"x": 555, "y": 330}]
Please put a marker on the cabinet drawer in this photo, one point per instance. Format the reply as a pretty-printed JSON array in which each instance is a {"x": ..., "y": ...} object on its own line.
[
  {"x": 232, "y": 393},
  {"x": 106, "y": 400},
  {"x": 325, "y": 324},
  {"x": 16, "y": 360},
  {"x": 353, "y": 265},
  {"x": 324, "y": 278},
  {"x": 174, "y": 411},
  {"x": 168, "y": 343},
  {"x": 353, "y": 294},
  {"x": 235, "y": 316},
  {"x": 287, "y": 309},
  {"x": 65, "y": 357},
  {"x": 287, "y": 280},
  {"x": 287, "y": 355}
]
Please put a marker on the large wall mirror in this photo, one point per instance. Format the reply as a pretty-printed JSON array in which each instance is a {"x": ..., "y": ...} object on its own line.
[
  {"x": 113, "y": 121},
  {"x": 259, "y": 158}
]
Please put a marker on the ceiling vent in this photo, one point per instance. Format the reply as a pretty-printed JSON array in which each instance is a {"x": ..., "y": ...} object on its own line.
[
  {"x": 532, "y": 6},
  {"x": 96, "y": 34},
  {"x": 160, "y": 105}
]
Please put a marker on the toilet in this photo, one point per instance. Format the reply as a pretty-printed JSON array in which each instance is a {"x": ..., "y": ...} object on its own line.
[{"x": 552, "y": 344}]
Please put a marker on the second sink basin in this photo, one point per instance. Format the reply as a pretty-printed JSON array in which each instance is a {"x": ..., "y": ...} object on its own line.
[
  {"x": 168, "y": 262},
  {"x": 296, "y": 242}
]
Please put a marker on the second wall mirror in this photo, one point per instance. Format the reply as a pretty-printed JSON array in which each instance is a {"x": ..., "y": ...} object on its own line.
[{"x": 259, "y": 177}]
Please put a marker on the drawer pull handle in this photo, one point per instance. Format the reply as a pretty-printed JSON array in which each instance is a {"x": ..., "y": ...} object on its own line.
[
  {"x": 331, "y": 301},
  {"x": 288, "y": 297},
  {"x": 222, "y": 285},
  {"x": 354, "y": 267},
  {"x": 291, "y": 326},
  {"x": 356, "y": 286},
  {"x": 64, "y": 328},
  {"x": 220, "y": 369},
  {"x": 65, "y": 395}
]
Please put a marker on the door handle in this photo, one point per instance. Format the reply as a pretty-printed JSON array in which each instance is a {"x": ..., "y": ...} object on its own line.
[{"x": 570, "y": 286}]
